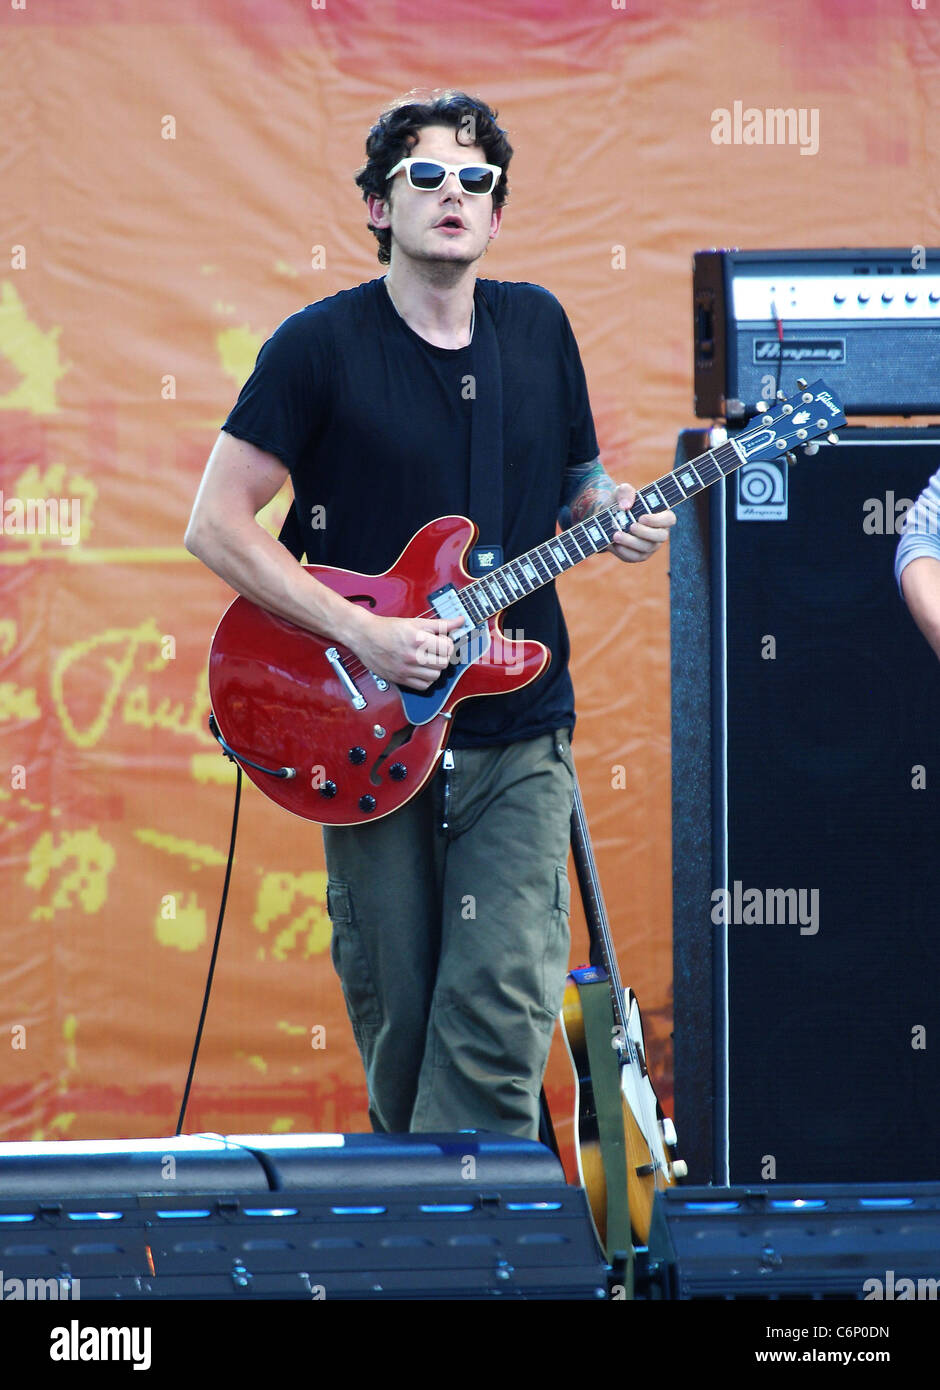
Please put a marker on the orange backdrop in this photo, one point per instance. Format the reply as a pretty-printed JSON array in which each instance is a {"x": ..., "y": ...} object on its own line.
[{"x": 178, "y": 179}]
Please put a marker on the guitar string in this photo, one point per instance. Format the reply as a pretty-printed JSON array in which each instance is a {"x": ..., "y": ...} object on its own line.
[
  {"x": 725, "y": 457},
  {"x": 355, "y": 668}
]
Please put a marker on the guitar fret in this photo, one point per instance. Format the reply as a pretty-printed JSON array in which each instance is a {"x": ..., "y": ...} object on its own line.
[
  {"x": 535, "y": 556},
  {"x": 574, "y": 540},
  {"x": 733, "y": 459},
  {"x": 689, "y": 480},
  {"x": 502, "y": 595},
  {"x": 559, "y": 554},
  {"x": 512, "y": 580},
  {"x": 709, "y": 469},
  {"x": 495, "y": 600},
  {"x": 469, "y": 599},
  {"x": 670, "y": 490},
  {"x": 653, "y": 498},
  {"x": 592, "y": 532}
]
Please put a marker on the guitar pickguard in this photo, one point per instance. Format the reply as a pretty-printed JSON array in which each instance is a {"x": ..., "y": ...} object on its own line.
[{"x": 421, "y": 706}]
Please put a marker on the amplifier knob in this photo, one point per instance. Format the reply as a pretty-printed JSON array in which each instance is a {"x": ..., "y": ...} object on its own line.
[
  {"x": 839, "y": 298},
  {"x": 864, "y": 298},
  {"x": 357, "y": 755},
  {"x": 328, "y": 790},
  {"x": 934, "y": 297},
  {"x": 887, "y": 298},
  {"x": 367, "y": 803},
  {"x": 398, "y": 771},
  {"x": 910, "y": 298}
]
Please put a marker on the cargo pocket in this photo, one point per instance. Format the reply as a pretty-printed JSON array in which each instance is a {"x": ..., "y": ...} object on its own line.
[
  {"x": 557, "y": 946},
  {"x": 351, "y": 963}
]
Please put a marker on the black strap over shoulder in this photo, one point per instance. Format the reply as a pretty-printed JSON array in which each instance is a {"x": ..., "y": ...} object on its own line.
[{"x": 486, "y": 441}]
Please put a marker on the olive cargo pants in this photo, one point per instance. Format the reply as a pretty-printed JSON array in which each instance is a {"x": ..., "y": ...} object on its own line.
[{"x": 450, "y": 937}]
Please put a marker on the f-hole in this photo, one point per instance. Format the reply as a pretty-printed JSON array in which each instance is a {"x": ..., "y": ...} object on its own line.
[{"x": 398, "y": 738}]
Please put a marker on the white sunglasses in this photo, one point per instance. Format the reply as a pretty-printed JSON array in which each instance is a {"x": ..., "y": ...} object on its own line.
[{"x": 428, "y": 175}]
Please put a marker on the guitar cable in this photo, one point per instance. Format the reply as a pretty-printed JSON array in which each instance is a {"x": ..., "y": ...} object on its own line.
[
  {"x": 218, "y": 937},
  {"x": 237, "y": 759},
  {"x": 233, "y": 756}
]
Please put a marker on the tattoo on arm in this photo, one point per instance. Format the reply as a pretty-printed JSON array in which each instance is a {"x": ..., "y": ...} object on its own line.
[{"x": 586, "y": 489}]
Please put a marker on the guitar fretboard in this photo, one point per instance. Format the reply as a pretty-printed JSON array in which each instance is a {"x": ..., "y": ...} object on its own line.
[{"x": 489, "y": 595}]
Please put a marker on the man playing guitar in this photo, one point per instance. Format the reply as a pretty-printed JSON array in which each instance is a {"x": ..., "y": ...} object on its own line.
[{"x": 450, "y": 915}]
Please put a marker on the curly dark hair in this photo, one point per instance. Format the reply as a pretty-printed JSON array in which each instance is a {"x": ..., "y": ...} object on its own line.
[{"x": 395, "y": 132}]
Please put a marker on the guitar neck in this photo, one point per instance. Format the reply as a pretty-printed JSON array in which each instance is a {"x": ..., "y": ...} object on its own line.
[
  {"x": 595, "y": 912},
  {"x": 485, "y": 597}
]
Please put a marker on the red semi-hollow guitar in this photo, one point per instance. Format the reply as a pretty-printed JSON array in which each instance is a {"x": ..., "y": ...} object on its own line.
[{"x": 340, "y": 745}]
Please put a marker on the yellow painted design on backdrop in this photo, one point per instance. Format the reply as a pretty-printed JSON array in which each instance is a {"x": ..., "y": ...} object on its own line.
[
  {"x": 32, "y": 353},
  {"x": 305, "y": 924},
  {"x": 85, "y": 884}
]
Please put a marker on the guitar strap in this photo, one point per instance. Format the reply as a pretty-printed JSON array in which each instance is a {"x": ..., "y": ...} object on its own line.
[
  {"x": 486, "y": 440},
  {"x": 486, "y": 449}
]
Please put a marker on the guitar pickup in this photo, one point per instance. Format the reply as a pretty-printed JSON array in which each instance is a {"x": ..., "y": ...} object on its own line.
[{"x": 446, "y": 603}]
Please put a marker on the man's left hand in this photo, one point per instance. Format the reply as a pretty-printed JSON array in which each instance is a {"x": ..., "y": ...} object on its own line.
[{"x": 645, "y": 537}]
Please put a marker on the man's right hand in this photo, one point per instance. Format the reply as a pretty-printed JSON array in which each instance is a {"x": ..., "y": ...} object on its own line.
[{"x": 408, "y": 651}]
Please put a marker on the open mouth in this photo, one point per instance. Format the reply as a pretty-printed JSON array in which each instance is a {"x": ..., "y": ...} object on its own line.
[{"x": 450, "y": 224}]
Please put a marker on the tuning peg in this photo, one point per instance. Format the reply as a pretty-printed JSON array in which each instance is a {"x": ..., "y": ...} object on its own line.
[
  {"x": 781, "y": 395},
  {"x": 791, "y": 458},
  {"x": 811, "y": 448},
  {"x": 802, "y": 383},
  {"x": 680, "y": 1169},
  {"x": 833, "y": 437}
]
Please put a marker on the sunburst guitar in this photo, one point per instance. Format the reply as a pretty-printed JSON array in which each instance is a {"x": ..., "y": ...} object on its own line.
[{"x": 609, "y": 1039}]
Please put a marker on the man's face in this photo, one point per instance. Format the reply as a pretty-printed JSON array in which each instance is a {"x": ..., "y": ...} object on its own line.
[{"x": 447, "y": 225}]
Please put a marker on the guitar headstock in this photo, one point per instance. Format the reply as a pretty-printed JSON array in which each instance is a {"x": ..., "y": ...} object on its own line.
[{"x": 791, "y": 424}]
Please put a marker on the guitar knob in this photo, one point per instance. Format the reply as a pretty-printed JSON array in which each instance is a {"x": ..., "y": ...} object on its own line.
[
  {"x": 357, "y": 755},
  {"x": 328, "y": 790},
  {"x": 398, "y": 772},
  {"x": 367, "y": 803}
]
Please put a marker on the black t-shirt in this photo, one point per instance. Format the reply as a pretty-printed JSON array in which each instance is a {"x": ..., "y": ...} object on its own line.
[{"x": 374, "y": 424}]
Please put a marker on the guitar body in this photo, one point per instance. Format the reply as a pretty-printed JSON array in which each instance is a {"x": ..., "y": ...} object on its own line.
[
  {"x": 648, "y": 1160},
  {"x": 280, "y": 700}
]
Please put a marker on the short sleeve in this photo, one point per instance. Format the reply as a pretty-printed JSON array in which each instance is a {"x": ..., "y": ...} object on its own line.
[
  {"x": 280, "y": 408},
  {"x": 582, "y": 439},
  {"x": 920, "y": 534}
]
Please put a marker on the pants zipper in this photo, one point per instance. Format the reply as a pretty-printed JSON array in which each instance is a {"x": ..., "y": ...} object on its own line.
[{"x": 448, "y": 766}]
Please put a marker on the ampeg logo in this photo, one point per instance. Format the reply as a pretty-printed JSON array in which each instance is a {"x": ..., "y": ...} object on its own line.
[
  {"x": 799, "y": 350},
  {"x": 762, "y": 492}
]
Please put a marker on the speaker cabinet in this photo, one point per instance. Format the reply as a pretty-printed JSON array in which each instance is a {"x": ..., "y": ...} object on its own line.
[
  {"x": 806, "y": 777},
  {"x": 867, "y": 1243}
]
